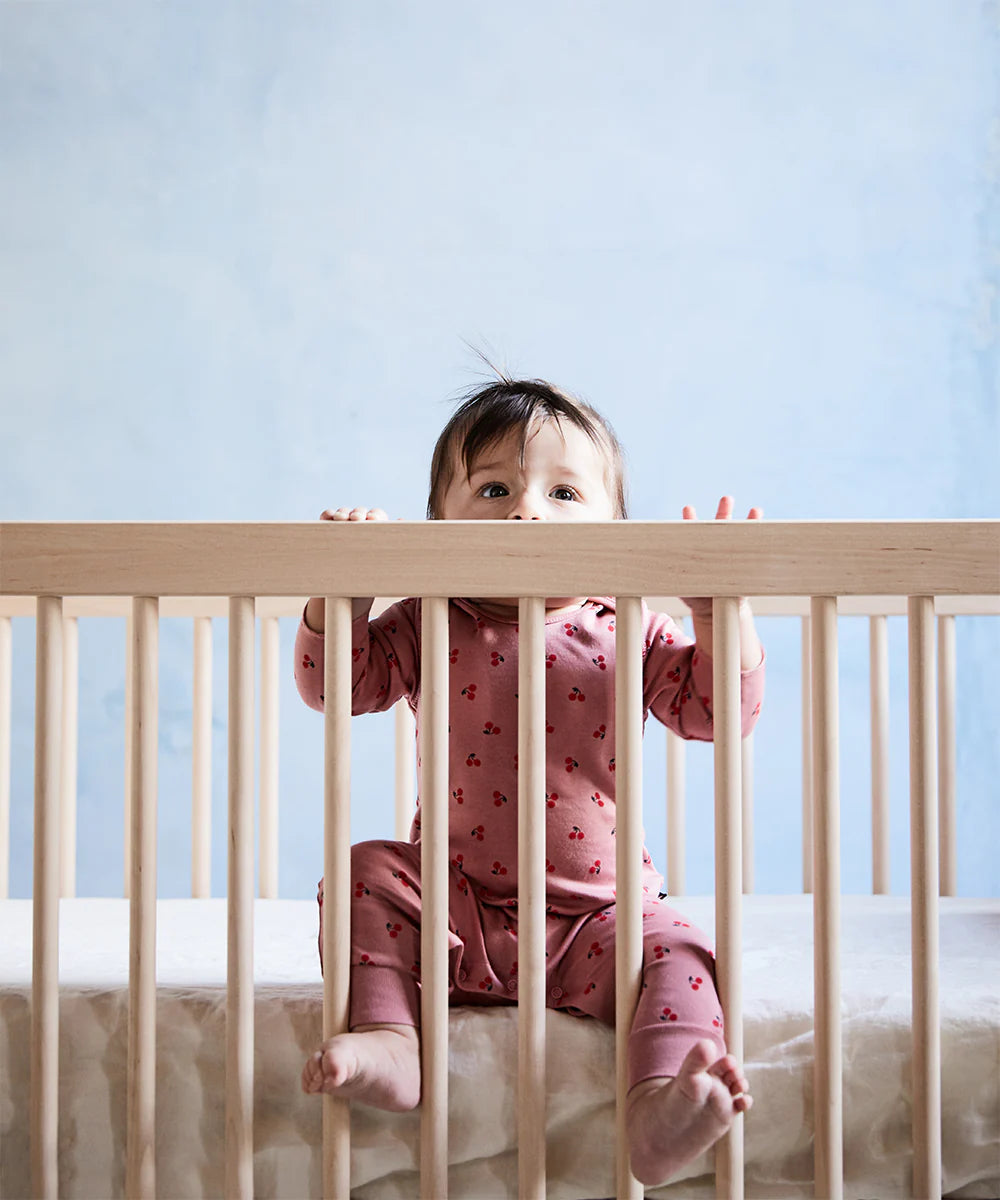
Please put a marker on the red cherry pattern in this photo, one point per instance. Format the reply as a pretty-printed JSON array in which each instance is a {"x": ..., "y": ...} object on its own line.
[
  {"x": 695, "y": 981},
  {"x": 668, "y": 1014},
  {"x": 601, "y": 732},
  {"x": 599, "y": 662},
  {"x": 499, "y": 799}
]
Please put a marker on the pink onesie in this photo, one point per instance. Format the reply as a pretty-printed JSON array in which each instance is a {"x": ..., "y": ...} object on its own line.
[{"x": 678, "y": 1002}]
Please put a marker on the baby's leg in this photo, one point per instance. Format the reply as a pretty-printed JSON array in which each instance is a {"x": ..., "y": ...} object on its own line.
[
  {"x": 671, "y": 1121},
  {"x": 686, "y": 1090},
  {"x": 378, "y": 1061},
  {"x": 376, "y": 1064}
]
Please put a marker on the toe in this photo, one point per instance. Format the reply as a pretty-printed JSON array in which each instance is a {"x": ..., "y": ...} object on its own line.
[{"x": 699, "y": 1058}]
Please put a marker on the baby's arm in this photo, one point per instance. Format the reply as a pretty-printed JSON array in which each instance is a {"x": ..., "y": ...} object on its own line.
[
  {"x": 751, "y": 651},
  {"x": 315, "y": 614}
]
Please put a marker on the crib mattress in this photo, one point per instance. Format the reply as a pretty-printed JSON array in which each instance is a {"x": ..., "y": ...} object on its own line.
[{"x": 778, "y": 1035}]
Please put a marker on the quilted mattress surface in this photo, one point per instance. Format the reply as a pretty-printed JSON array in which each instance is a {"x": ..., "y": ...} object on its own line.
[{"x": 778, "y": 1032}]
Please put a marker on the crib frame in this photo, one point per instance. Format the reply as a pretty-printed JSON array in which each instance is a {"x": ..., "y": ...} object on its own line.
[{"x": 949, "y": 560}]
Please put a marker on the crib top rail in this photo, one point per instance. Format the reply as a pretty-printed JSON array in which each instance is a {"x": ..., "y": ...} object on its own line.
[{"x": 500, "y": 558}]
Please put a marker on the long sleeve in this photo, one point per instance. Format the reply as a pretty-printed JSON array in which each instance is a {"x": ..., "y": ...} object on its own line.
[
  {"x": 386, "y": 660},
  {"x": 677, "y": 682}
]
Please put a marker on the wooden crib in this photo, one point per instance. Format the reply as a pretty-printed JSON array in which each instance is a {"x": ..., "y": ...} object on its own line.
[{"x": 803, "y": 568}]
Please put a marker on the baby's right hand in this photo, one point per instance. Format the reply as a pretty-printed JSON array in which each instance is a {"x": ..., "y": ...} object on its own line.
[
  {"x": 353, "y": 514},
  {"x": 315, "y": 613}
]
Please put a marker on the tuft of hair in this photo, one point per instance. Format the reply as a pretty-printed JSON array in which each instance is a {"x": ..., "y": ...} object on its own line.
[{"x": 490, "y": 413}]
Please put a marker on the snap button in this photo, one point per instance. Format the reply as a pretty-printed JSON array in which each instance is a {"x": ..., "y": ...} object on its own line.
[
  {"x": 463, "y": 976},
  {"x": 556, "y": 993},
  {"x": 511, "y": 985}
]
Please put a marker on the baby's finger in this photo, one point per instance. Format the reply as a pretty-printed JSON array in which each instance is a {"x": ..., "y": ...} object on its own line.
[
  {"x": 725, "y": 509},
  {"x": 334, "y": 514},
  {"x": 755, "y": 514},
  {"x": 377, "y": 514},
  {"x": 358, "y": 514},
  {"x": 689, "y": 514}
]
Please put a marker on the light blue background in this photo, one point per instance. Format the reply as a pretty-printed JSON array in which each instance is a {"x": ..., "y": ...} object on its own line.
[{"x": 241, "y": 246}]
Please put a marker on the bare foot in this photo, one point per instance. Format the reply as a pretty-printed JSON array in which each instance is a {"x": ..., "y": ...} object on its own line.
[
  {"x": 672, "y": 1121},
  {"x": 378, "y": 1065}
]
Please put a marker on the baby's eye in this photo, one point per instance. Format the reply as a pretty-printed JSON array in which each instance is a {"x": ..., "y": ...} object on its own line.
[
  {"x": 563, "y": 493},
  {"x": 493, "y": 491}
]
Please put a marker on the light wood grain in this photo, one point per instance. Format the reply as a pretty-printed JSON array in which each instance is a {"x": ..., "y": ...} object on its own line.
[
  {"x": 531, "y": 898},
  {"x": 45, "y": 929},
  {"x": 628, "y": 860},
  {"x": 503, "y": 558},
  {"x": 879, "y": 713},
  {"x": 828, "y": 1080},
  {"x": 68, "y": 745},
  {"x": 201, "y": 760},
  {"x": 336, "y": 879},
  {"x": 268, "y": 786},
  {"x": 746, "y": 787},
  {"x": 807, "y": 768},
  {"x": 239, "y": 977},
  {"x": 728, "y": 866},
  {"x": 924, "y": 903},
  {"x": 947, "y": 766},
  {"x": 434, "y": 898},
  {"x": 140, "y": 1162},
  {"x": 6, "y": 647}
]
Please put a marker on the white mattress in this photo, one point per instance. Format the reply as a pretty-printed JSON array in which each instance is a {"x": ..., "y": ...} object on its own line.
[{"x": 191, "y": 956}]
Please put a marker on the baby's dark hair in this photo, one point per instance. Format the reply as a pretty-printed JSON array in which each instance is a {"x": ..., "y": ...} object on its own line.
[{"x": 490, "y": 413}]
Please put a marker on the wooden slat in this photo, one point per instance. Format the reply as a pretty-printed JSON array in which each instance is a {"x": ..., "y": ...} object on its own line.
[
  {"x": 879, "y": 706},
  {"x": 336, "y": 879},
  {"x": 628, "y": 860},
  {"x": 239, "y": 977},
  {"x": 201, "y": 760},
  {"x": 6, "y": 646},
  {"x": 129, "y": 722},
  {"x": 68, "y": 756},
  {"x": 746, "y": 766},
  {"x": 140, "y": 1160},
  {"x": 269, "y": 714},
  {"x": 948, "y": 859},
  {"x": 503, "y": 558},
  {"x": 291, "y": 606},
  {"x": 828, "y": 1081},
  {"x": 45, "y": 935},
  {"x": 728, "y": 865},
  {"x": 676, "y": 803},
  {"x": 531, "y": 899},
  {"x": 807, "y": 767},
  {"x": 434, "y": 898},
  {"x": 924, "y": 903},
  {"x": 404, "y": 770}
]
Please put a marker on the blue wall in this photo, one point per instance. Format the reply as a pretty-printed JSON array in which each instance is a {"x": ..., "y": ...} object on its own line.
[{"x": 241, "y": 247}]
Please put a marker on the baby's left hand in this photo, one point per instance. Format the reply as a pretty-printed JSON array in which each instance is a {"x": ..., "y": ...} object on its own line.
[{"x": 701, "y": 606}]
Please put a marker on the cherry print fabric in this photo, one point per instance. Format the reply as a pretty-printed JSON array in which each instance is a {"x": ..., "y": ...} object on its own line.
[
  {"x": 677, "y": 1005},
  {"x": 678, "y": 1002}
]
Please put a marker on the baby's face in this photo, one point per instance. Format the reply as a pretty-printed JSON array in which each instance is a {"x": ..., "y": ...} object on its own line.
[{"x": 563, "y": 477}]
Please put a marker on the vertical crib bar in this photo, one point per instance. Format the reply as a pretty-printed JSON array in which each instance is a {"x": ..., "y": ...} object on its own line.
[
  {"x": 239, "y": 977},
  {"x": 827, "y": 1081},
  {"x": 728, "y": 865},
  {"x": 946, "y": 754},
  {"x": 924, "y": 902},
  {"x": 878, "y": 646},
  {"x": 434, "y": 905},
  {"x": 337, "y": 880},
  {"x": 140, "y": 1162},
  {"x": 676, "y": 881},
  {"x": 68, "y": 757},
  {"x": 45, "y": 943},
  {"x": 746, "y": 770},
  {"x": 531, "y": 898},
  {"x": 129, "y": 707},
  {"x": 404, "y": 730},
  {"x": 628, "y": 859},
  {"x": 5, "y": 734},
  {"x": 268, "y": 885},
  {"x": 201, "y": 761},
  {"x": 807, "y": 769}
]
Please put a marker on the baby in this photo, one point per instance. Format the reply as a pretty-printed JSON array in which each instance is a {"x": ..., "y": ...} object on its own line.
[{"x": 526, "y": 451}]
